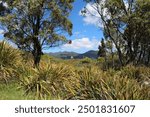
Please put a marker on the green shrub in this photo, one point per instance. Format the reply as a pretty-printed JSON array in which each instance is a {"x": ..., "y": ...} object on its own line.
[
  {"x": 8, "y": 55},
  {"x": 99, "y": 85},
  {"x": 141, "y": 74},
  {"x": 86, "y": 60},
  {"x": 130, "y": 71},
  {"x": 73, "y": 79},
  {"x": 101, "y": 63},
  {"x": 9, "y": 60},
  {"x": 50, "y": 81}
]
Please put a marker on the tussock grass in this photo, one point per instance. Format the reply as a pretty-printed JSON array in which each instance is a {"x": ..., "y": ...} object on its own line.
[
  {"x": 9, "y": 56},
  {"x": 69, "y": 79},
  {"x": 10, "y": 59},
  {"x": 96, "y": 84},
  {"x": 50, "y": 80}
]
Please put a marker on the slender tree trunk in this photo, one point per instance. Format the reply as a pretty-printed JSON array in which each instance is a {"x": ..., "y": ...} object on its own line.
[
  {"x": 37, "y": 57},
  {"x": 37, "y": 52},
  {"x": 140, "y": 56},
  {"x": 148, "y": 58},
  {"x": 120, "y": 56},
  {"x": 112, "y": 56}
]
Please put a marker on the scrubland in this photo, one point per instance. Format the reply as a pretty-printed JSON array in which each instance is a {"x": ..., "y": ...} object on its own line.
[{"x": 75, "y": 79}]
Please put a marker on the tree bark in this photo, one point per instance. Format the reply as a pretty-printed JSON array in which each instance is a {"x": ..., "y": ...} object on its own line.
[{"x": 37, "y": 52}]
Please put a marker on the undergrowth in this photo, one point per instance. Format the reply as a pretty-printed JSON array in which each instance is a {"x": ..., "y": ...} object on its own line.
[{"x": 71, "y": 79}]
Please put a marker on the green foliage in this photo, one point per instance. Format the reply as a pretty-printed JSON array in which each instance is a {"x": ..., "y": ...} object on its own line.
[
  {"x": 101, "y": 62},
  {"x": 141, "y": 74},
  {"x": 10, "y": 58},
  {"x": 11, "y": 92},
  {"x": 8, "y": 55},
  {"x": 103, "y": 86},
  {"x": 50, "y": 81},
  {"x": 86, "y": 60},
  {"x": 130, "y": 72},
  {"x": 126, "y": 25},
  {"x": 102, "y": 49},
  {"x": 64, "y": 80},
  {"x": 36, "y": 25}
]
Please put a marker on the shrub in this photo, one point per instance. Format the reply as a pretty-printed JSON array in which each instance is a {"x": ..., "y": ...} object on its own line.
[
  {"x": 9, "y": 56},
  {"x": 96, "y": 84},
  {"x": 130, "y": 71},
  {"x": 91, "y": 85},
  {"x": 9, "y": 60},
  {"x": 141, "y": 74},
  {"x": 50, "y": 81},
  {"x": 86, "y": 60},
  {"x": 123, "y": 88}
]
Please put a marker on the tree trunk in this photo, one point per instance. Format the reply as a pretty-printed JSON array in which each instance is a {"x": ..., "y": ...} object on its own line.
[
  {"x": 139, "y": 58},
  {"x": 37, "y": 58},
  {"x": 148, "y": 58},
  {"x": 120, "y": 57},
  {"x": 37, "y": 52}
]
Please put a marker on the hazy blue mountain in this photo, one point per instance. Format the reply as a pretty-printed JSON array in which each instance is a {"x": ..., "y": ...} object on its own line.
[{"x": 68, "y": 55}]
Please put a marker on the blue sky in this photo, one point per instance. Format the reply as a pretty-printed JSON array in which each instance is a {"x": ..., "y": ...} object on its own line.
[{"x": 86, "y": 35}]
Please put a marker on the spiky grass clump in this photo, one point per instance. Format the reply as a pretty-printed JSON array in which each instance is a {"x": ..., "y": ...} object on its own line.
[
  {"x": 129, "y": 71},
  {"x": 6, "y": 74},
  {"x": 50, "y": 81},
  {"x": 123, "y": 88},
  {"x": 91, "y": 84},
  {"x": 9, "y": 59},
  {"x": 8, "y": 55},
  {"x": 139, "y": 73},
  {"x": 96, "y": 84}
]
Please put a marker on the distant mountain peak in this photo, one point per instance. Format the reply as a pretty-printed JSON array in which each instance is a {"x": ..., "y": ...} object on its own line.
[{"x": 68, "y": 55}]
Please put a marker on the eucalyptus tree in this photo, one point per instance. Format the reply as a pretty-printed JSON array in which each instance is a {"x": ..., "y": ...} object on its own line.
[
  {"x": 34, "y": 25},
  {"x": 126, "y": 23}
]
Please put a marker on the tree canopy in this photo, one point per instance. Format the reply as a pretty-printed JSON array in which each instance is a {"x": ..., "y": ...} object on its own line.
[
  {"x": 126, "y": 23},
  {"x": 34, "y": 25}
]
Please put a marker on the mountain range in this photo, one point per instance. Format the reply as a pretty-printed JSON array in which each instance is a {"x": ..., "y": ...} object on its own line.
[{"x": 69, "y": 55}]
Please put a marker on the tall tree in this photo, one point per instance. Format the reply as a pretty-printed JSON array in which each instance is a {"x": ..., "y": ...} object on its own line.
[
  {"x": 126, "y": 23},
  {"x": 34, "y": 25}
]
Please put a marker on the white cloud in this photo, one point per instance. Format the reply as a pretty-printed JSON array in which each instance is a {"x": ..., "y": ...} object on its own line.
[
  {"x": 1, "y": 31},
  {"x": 93, "y": 19},
  {"x": 92, "y": 16},
  {"x": 83, "y": 44},
  {"x": 4, "y": 3},
  {"x": 76, "y": 33}
]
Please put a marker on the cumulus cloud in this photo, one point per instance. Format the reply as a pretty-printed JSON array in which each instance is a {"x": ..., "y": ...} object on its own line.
[
  {"x": 82, "y": 44},
  {"x": 93, "y": 17}
]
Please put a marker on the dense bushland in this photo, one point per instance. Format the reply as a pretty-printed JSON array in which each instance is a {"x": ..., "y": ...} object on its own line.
[{"x": 68, "y": 79}]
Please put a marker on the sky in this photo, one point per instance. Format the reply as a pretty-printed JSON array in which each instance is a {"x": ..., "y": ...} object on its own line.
[{"x": 86, "y": 34}]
